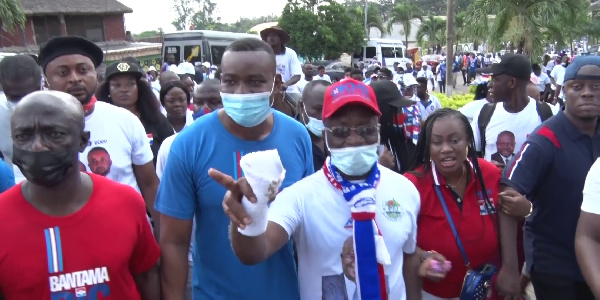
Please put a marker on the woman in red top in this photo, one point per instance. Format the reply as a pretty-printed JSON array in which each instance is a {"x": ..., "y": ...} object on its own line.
[{"x": 446, "y": 157}]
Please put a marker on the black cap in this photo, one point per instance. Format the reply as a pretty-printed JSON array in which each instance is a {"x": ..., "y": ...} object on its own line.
[
  {"x": 67, "y": 45},
  {"x": 578, "y": 63},
  {"x": 515, "y": 65},
  {"x": 123, "y": 67},
  {"x": 387, "y": 93}
]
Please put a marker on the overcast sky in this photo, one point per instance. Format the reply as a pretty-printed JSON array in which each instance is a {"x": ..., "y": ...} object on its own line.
[{"x": 152, "y": 14}]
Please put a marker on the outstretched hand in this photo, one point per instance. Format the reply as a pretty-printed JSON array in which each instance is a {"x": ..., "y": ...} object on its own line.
[{"x": 232, "y": 201}]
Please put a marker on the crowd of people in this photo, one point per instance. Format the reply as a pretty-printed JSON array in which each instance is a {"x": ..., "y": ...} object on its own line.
[{"x": 386, "y": 195}]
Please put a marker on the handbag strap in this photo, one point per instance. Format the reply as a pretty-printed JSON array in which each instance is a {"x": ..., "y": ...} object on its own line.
[{"x": 449, "y": 217}]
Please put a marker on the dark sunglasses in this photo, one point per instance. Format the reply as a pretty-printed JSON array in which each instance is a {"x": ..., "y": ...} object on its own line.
[{"x": 344, "y": 132}]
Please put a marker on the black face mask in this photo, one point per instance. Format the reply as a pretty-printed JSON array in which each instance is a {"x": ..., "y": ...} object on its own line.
[{"x": 45, "y": 168}]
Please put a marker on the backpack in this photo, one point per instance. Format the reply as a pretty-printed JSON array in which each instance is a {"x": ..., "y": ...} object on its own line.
[{"x": 485, "y": 115}]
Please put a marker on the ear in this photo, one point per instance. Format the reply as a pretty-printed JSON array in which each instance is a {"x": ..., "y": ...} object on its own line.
[{"x": 85, "y": 139}]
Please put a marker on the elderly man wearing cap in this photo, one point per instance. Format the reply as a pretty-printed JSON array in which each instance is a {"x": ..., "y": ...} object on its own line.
[
  {"x": 69, "y": 64},
  {"x": 288, "y": 64},
  {"x": 72, "y": 234},
  {"x": 318, "y": 211},
  {"x": 550, "y": 170}
]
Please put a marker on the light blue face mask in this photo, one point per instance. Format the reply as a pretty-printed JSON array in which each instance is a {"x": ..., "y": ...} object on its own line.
[
  {"x": 247, "y": 110},
  {"x": 354, "y": 161},
  {"x": 314, "y": 125}
]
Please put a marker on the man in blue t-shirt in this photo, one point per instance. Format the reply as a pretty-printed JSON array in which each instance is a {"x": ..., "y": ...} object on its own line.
[{"x": 218, "y": 140}]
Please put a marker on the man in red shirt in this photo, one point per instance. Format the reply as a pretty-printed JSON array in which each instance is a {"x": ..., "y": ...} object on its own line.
[{"x": 68, "y": 234}]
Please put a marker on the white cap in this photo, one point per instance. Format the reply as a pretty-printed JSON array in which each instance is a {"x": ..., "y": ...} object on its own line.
[
  {"x": 187, "y": 68},
  {"x": 175, "y": 69},
  {"x": 409, "y": 80},
  {"x": 206, "y": 64},
  {"x": 151, "y": 68}
]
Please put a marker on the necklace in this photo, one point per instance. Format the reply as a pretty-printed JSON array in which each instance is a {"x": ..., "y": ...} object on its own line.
[{"x": 460, "y": 181}]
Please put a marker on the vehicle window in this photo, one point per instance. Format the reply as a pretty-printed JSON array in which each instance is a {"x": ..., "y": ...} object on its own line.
[
  {"x": 593, "y": 49},
  {"x": 175, "y": 50},
  {"x": 388, "y": 52},
  {"x": 370, "y": 52},
  {"x": 216, "y": 53},
  {"x": 192, "y": 53},
  {"x": 399, "y": 52}
]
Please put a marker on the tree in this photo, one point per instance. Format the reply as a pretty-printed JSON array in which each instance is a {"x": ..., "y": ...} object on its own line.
[
  {"x": 405, "y": 14},
  {"x": 185, "y": 10},
  {"x": 302, "y": 24},
  {"x": 374, "y": 19},
  {"x": 328, "y": 32},
  {"x": 11, "y": 15},
  {"x": 196, "y": 14},
  {"x": 435, "y": 30},
  {"x": 147, "y": 34},
  {"x": 525, "y": 23},
  {"x": 343, "y": 32}
]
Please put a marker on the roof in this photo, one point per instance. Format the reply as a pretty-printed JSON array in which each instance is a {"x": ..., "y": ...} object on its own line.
[
  {"x": 107, "y": 47},
  {"x": 91, "y": 7}
]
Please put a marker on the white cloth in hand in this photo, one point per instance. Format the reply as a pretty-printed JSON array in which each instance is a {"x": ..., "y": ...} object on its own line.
[{"x": 265, "y": 173}]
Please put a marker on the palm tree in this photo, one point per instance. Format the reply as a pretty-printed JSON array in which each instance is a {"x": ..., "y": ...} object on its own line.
[
  {"x": 405, "y": 14},
  {"x": 435, "y": 30},
  {"x": 374, "y": 19},
  {"x": 11, "y": 15},
  {"x": 522, "y": 22}
]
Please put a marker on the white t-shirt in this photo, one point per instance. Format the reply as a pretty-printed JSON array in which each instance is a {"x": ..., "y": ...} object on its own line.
[
  {"x": 591, "y": 190},
  {"x": 432, "y": 105},
  {"x": 288, "y": 66},
  {"x": 427, "y": 74},
  {"x": 325, "y": 77},
  {"x": 543, "y": 80},
  {"x": 472, "y": 108},
  {"x": 161, "y": 162},
  {"x": 558, "y": 73},
  {"x": 301, "y": 84},
  {"x": 520, "y": 124},
  {"x": 118, "y": 141},
  {"x": 316, "y": 215}
]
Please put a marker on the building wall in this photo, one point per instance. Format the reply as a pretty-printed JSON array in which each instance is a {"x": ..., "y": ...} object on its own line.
[
  {"x": 15, "y": 38},
  {"x": 114, "y": 27}
]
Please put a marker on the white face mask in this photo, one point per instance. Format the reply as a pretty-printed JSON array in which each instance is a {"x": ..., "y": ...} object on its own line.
[
  {"x": 314, "y": 125},
  {"x": 354, "y": 161}
]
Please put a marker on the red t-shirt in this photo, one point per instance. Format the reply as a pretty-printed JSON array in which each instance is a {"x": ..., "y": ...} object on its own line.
[
  {"x": 477, "y": 229},
  {"x": 91, "y": 254}
]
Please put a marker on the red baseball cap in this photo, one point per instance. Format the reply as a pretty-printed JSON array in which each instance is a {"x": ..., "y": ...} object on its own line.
[{"x": 346, "y": 92}]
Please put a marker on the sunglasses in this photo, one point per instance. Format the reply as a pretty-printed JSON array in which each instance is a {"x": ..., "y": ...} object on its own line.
[{"x": 363, "y": 131}]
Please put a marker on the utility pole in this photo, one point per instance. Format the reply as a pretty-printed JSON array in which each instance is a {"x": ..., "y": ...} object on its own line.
[
  {"x": 449, "y": 45},
  {"x": 366, "y": 12}
]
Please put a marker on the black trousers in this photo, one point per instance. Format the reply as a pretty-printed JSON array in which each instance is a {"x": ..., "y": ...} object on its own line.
[
  {"x": 464, "y": 74},
  {"x": 554, "y": 287},
  {"x": 442, "y": 85}
]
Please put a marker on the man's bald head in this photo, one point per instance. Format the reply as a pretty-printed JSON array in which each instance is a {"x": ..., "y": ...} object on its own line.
[
  {"x": 168, "y": 76},
  {"x": 207, "y": 85},
  {"x": 52, "y": 102},
  {"x": 314, "y": 92}
]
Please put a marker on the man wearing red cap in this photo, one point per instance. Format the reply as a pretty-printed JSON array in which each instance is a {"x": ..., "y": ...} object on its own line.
[{"x": 352, "y": 195}]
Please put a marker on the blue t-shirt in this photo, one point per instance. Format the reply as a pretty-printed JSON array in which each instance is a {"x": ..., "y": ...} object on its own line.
[
  {"x": 186, "y": 188},
  {"x": 7, "y": 177}
]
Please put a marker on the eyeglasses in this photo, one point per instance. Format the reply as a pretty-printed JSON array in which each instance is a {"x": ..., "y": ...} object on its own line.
[
  {"x": 348, "y": 256},
  {"x": 344, "y": 132}
]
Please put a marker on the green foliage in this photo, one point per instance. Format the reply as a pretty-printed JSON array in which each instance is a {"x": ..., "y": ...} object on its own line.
[
  {"x": 147, "y": 34},
  {"x": 529, "y": 24},
  {"x": 454, "y": 102},
  {"x": 374, "y": 16},
  {"x": 328, "y": 32},
  {"x": 405, "y": 14},
  {"x": 11, "y": 15},
  {"x": 434, "y": 29}
]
